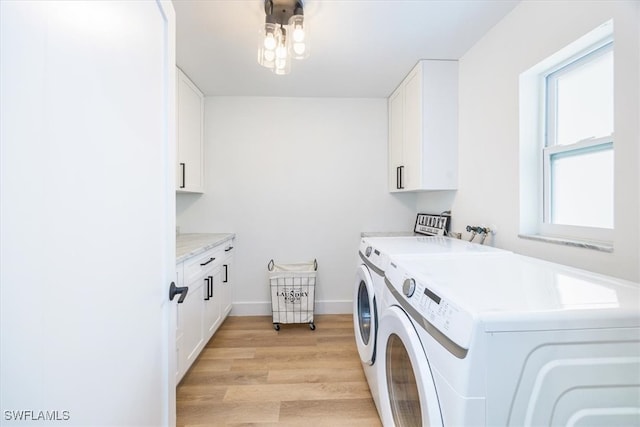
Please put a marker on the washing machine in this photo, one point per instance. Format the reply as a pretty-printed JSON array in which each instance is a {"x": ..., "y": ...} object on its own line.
[
  {"x": 507, "y": 340},
  {"x": 370, "y": 293}
]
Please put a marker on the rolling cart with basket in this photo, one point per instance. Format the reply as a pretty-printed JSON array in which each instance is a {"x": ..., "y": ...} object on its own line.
[{"x": 292, "y": 292}]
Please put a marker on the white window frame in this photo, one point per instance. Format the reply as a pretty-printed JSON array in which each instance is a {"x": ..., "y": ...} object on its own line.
[
  {"x": 535, "y": 156},
  {"x": 550, "y": 149}
]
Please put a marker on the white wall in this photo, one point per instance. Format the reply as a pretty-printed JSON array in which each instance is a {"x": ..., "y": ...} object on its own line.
[
  {"x": 295, "y": 179},
  {"x": 488, "y": 138}
]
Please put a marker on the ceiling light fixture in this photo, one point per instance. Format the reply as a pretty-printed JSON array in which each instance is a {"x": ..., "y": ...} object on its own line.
[{"x": 284, "y": 35}]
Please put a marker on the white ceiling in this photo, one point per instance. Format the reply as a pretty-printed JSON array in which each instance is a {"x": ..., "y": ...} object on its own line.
[{"x": 358, "y": 48}]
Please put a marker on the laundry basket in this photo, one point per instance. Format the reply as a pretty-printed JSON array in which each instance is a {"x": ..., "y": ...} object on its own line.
[{"x": 292, "y": 292}]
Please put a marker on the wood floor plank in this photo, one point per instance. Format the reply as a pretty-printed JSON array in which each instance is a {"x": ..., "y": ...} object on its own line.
[
  {"x": 330, "y": 351},
  {"x": 310, "y": 422},
  {"x": 330, "y": 412},
  {"x": 264, "y": 341},
  {"x": 297, "y": 392},
  {"x": 199, "y": 393},
  {"x": 351, "y": 362},
  {"x": 227, "y": 353},
  {"x": 220, "y": 378},
  {"x": 314, "y": 375},
  {"x": 223, "y": 413},
  {"x": 212, "y": 365}
]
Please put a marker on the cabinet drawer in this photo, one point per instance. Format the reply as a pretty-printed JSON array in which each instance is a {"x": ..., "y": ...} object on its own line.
[{"x": 199, "y": 265}]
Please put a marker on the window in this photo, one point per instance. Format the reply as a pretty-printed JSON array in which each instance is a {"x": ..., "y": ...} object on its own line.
[
  {"x": 578, "y": 151},
  {"x": 567, "y": 144}
]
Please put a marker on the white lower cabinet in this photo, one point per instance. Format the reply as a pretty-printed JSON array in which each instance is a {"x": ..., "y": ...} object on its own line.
[{"x": 207, "y": 304}]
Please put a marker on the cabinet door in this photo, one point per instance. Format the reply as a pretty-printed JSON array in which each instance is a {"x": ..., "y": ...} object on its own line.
[
  {"x": 412, "y": 147},
  {"x": 396, "y": 135},
  {"x": 226, "y": 288},
  {"x": 440, "y": 124},
  {"x": 190, "y": 317},
  {"x": 211, "y": 306},
  {"x": 190, "y": 153}
]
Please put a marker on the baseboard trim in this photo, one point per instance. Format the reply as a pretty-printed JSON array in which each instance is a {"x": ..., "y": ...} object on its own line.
[{"x": 259, "y": 308}]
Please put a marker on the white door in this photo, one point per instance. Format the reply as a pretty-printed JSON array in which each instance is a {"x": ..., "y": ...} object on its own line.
[{"x": 87, "y": 212}]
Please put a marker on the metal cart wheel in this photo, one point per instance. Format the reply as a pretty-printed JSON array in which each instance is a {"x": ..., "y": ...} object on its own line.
[
  {"x": 276, "y": 326},
  {"x": 312, "y": 326}
]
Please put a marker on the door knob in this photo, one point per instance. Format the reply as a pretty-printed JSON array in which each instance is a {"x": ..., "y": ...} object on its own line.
[{"x": 175, "y": 290}]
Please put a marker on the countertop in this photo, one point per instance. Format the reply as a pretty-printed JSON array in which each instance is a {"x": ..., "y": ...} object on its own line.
[
  {"x": 190, "y": 244},
  {"x": 387, "y": 233}
]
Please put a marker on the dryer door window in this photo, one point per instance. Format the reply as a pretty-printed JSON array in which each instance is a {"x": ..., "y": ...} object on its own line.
[
  {"x": 365, "y": 319},
  {"x": 407, "y": 391},
  {"x": 364, "y": 312},
  {"x": 402, "y": 385}
]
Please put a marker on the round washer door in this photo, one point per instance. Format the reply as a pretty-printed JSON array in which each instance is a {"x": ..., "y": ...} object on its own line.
[
  {"x": 365, "y": 316},
  {"x": 407, "y": 392}
]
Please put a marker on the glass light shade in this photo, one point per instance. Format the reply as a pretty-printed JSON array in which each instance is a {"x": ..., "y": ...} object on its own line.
[
  {"x": 282, "y": 62},
  {"x": 299, "y": 49},
  {"x": 269, "y": 56},
  {"x": 270, "y": 41},
  {"x": 269, "y": 38},
  {"x": 299, "y": 37},
  {"x": 281, "y": 51}
]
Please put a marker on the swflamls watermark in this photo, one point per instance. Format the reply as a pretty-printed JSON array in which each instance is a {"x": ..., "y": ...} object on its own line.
[{"x": 33, "y": 415}]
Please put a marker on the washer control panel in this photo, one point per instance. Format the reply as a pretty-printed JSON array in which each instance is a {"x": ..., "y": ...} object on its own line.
[
  {"x": 443, "y": 314},
  {"x": 429, "y": 303},
  {"x": 379, "y": 259}
]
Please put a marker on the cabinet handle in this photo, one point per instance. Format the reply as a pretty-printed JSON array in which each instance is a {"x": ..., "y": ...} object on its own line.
[
  {"x": 175, "y": 290},
  {"x": 210, "y": 287},
  {"x": 184, "y": 168},
  {"x": 401, "y": 178},
  {"x": 206, "y": 280},
  {"x": 228, "y": 249},
  {"x": 210, "y": 259},
  {"x": 398, "y": 178},
  {"x": 226, "y": 273}
]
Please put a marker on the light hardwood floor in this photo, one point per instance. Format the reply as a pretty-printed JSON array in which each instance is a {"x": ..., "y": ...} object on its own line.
[{"x": 251, "y": 375}]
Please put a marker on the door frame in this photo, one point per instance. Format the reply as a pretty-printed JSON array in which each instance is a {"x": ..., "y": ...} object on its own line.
[{"x": 169, "y": 309}]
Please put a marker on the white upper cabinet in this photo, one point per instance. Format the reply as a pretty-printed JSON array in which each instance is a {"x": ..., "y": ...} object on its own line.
[
  {"x": 423, "y": 129},
  {"x": 190, "y": 128}
]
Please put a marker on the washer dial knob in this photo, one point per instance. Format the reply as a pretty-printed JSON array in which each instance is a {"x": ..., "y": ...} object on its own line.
[
  {"x": 367, "y": 251},
  {"x": 409, "y": 287}
]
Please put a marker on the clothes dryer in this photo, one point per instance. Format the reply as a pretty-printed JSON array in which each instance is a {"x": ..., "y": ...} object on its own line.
[{"x": 507, "y": 340}]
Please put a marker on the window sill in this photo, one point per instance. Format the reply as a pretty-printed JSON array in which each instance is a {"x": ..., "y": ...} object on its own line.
[{"x": 596, "y": 246}]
